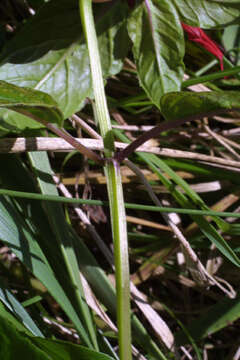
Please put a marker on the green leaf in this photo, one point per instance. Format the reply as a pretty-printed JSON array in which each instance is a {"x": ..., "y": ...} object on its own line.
[
  {"x": 55, "y": 26},
  {"x": 15, "y": 343},
  {"x": 40, "y": 162},
  {"x": 207, "y": 14},
  {"x": 34, "y": 102},
  {"x": 218, "y": 317},
  {"x": 57, "y": 61},
  {"x": 29, "y": 236},
  {"x": 160, "y": 167},
  {"x": 62, "y": 350},
  {"x": 231, "y": 40},
  {"x": 178, "y": 105},
  {"x": 206, "y": 228},
  {"x": 153, "y": 28},
  {"x": 38, "y": 221},
  {"x": 18, "y": 310},
  {"x": 10, "y": 317}
]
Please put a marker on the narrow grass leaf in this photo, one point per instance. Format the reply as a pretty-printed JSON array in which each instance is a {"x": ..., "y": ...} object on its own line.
[
  {"x": 209, "y": 231},
  {"x": 18, "y": 310},
  {"x": 20, "y": 225},
  {"x": 41, "y": 165},
  {"x": 218, "y": 317}
]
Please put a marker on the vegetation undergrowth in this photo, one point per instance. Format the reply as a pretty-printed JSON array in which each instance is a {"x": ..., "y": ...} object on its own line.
[{"x": 119, "y": 125}]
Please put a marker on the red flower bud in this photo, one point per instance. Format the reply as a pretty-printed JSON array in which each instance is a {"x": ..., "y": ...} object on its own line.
[{"x": 197, "y": 35}]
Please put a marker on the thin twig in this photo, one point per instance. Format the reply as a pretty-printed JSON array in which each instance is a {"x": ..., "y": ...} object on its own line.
[
  {"x": 221, "y": 141},
  {"x": 90, "y": 131}
]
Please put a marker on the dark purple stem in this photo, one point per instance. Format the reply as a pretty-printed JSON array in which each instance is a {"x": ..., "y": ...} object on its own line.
[{"x": 125, "y": 153}]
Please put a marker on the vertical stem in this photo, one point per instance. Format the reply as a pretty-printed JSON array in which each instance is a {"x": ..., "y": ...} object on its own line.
[{"x": 115, "y": 192}]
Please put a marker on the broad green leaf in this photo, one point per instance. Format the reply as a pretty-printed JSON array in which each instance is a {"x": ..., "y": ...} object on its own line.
[
  {"x": 50, "y": 54},
  {"x": 219, "y": 316},
  {"x": 36, "y": 103},
  {"x": 62, "y": 350},
  {"x": 18, "y": 310},
  {"x": 55, "y": 26},
  {"x": 15, "y": 344},
  {"x": 178, "y": 105},
  {"x": 153, "y": 28},
  {"x": 207, "y": 13}
]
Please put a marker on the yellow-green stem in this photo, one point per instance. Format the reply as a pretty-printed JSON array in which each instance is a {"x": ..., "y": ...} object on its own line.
[{"x": 115, "y": 193}]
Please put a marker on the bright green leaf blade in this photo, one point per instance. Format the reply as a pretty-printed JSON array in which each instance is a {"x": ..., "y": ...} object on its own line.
[
  {"x": 62, "y": 350},
  {"x": 40, "y": 162},
  {"x": 178, "y": 105},
  {"x": 18, "y": 310},
  {"x": 207, "y": 14},
  {"x": 34, "y": 102},
  {"x": 153, "y": 28},
  {"x": 218, "y": 317}
]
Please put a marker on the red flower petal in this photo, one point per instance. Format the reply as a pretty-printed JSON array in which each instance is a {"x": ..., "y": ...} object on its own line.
[{"x": 197, "y": 35}]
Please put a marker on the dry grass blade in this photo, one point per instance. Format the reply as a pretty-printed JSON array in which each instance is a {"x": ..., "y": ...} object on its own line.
[{"x": 159, "y": 326}]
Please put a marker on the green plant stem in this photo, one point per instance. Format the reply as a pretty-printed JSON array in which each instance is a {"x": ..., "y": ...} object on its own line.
[
  {"x": 206, "y": 68},
  {"x": 61, "y": 199},
  {"x": 115, "y": 193},
  {"x": 210, "y": 77}
]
